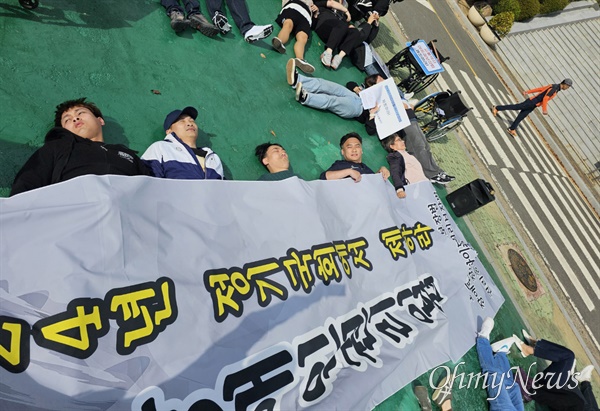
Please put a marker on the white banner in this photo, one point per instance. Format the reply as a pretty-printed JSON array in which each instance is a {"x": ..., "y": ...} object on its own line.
[{"x": 139, "y": 293}]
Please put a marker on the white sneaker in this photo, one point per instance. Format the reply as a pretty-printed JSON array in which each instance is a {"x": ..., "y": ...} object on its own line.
[
  {"x": 503, "y": 345},
  {"x": 408, "y": 96},
  {"x": 585, "y": 374},
  {"x": 486, "y": 328},
  {"x": 258, "y": 32}
]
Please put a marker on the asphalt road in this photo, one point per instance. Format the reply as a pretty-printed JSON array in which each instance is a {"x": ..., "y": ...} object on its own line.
[{"x": 549, "y": 206}]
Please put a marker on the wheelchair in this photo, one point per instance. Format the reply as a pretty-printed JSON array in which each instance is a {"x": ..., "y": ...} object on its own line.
[
  {"x": 411, "y": 70},
  {"x": 439, "y": 113}
]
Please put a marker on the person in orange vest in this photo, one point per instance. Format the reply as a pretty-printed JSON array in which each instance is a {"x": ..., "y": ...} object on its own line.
[{"x": 543, "y": 96}]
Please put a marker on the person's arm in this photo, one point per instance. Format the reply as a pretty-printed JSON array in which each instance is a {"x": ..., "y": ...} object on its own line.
[
  {"x": 397, "y": 170},
  {"x": 152, "y": 158},
  {"x": 385, "y": 173},
  {"x": 36, "y": 172},
  {"x": 535, "y": 90},
  {"x": 332, "y": 4},
  {"x": 340, "y": 174}
]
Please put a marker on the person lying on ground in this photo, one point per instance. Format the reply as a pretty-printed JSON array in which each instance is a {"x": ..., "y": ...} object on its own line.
[
  {"x": 177, "y": 156},
  {"x": 275, "y": 159},
  {"x": 296, "y": 18},
  {"x": 241, "y": 17},
  {"x": 76, "y": 147},
  {"x": 404, "y": 167},
  {"x": 351, "y": 165},
  {"x": 333, "y": 28},
  {"x": 560, "y": 388},
  {"x": 326, "y": 95},
  {"x": 415, "y": 140}
]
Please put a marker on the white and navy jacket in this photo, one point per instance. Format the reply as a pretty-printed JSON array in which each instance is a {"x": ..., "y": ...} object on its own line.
[{"x": 172, "y": 158}]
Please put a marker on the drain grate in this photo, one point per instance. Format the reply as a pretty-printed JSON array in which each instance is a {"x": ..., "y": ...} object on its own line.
[{"x": 522, "y": 270}]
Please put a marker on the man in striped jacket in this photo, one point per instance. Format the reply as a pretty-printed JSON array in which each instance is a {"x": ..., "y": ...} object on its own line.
[{"x": 542, "y": 96}]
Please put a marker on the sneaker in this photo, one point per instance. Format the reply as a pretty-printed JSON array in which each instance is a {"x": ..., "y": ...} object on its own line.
[
  {"x": 278, "y": 45},
  {"x": 520, "y": 345},
  {"x": 447, "y": 177},
  {"x": 258, "y": 32},
  {"x": 326, "y": 58},
  {"x": 494, "y": 111},
  {"x": 486, "y": 328},
  {"x": 585, "y": 374},
  {"x": 444, "y": 391},
  {"x": 178, "y": 22},
  {"x": 438, "y": 179},
  {"x": 200, "y": 23},
  {"x": 301, "y": 94},
  {"x": 503, "y": 345},
  {"x": 291, "y": 73},
  {"x": 335, "y": 62},
  {"x": 305, "y": 66},
  {"x": 513, "y": 133},
  {"x": 221, "y": 22},
  {"x": 408, "y": 96},
  {"x": 528, "y": 338}
]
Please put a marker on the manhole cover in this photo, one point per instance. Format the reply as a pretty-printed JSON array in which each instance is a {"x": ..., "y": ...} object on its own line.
[{"x": 522, "y": 270}]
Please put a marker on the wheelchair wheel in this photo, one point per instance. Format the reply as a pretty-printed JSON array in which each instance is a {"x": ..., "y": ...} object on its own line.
[
  {"x": 440, "y": 132},
  {"x": 422, "y": 84},
  {"x": 29, "y": 4}
]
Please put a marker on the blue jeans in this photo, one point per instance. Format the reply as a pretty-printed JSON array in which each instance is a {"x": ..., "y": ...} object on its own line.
[
  {"x": 191, "y": 6},
  {"x": 238, "y": 10},
  {"x": 503, "y": 390},
  {"x": 327, "y": 95},
  {"x": 525, "y": 108}
]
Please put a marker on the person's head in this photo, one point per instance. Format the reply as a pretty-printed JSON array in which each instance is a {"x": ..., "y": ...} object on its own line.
[
  {"x": 566, "y": 83},
  {"x": 351, "y": 147},
  {"x": 393, "y": 143},
  {"x": 372, "y": 80},
  {"x": 273, "y": 156},
  {"x": 80, "y": 117},
  {"x": 183, "y": 124}
]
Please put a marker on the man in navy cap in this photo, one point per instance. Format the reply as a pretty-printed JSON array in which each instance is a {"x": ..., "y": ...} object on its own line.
[
  {"x": 177, "y": 155},
  {"x": 542, "y": 96}
]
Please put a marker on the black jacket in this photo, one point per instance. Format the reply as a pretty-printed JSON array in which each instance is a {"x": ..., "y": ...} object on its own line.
[
  {"x": 344, "y": 164},
  {"x": 65, "y": 155}
]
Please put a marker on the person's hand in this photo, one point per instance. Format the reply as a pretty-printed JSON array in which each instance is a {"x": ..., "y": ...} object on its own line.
[
  {"x": 357, "y": 89},
  {"x": 385, "y": 173},
  {"x": 348, "y": 17},
  {"x": 373, "y": 111},
  {"x": 525, "y": 94},
  {"x": 355, "y": 175},
  {"x": 545, "y": 113},
  {"x": 401, "y": 194}
]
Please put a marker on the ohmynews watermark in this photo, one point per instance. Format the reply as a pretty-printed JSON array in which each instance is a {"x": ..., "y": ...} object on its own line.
[{"x": 528, "y": 382}]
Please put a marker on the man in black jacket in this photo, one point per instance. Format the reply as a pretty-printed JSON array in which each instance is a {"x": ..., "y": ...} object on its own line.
[
  {"x": 75, "y": 147},
  {"x": 352, "y": 165}
]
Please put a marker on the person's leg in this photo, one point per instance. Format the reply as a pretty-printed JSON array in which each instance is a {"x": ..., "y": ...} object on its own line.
[
  {"x": 588, "y": 395},
  {"x": 562, "y": 360},
  {"x": 350, "y": 41},
  {"x": 191, "y": 7},
  {"x": 214, "y": 6},
  {"x": 171, "y": 5},
  {"x": 286, "y": 30},
  {"x": 417, "y": 145},
  {"x": 327, "y": 95},
  {"x": 516, "y": 107},
  {"x": 301, "y": 40},
  {"x": 520, "y": 117},
  {"x": 239, "y": 12},
  {"x": 496, "y": 368}
]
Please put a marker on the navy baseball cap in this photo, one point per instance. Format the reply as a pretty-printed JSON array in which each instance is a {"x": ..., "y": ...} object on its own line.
[{"x": 175, "y": 114}]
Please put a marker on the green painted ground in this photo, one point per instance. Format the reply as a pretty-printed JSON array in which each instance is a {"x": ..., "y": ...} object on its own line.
[{"x": 117, "y": 52}]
